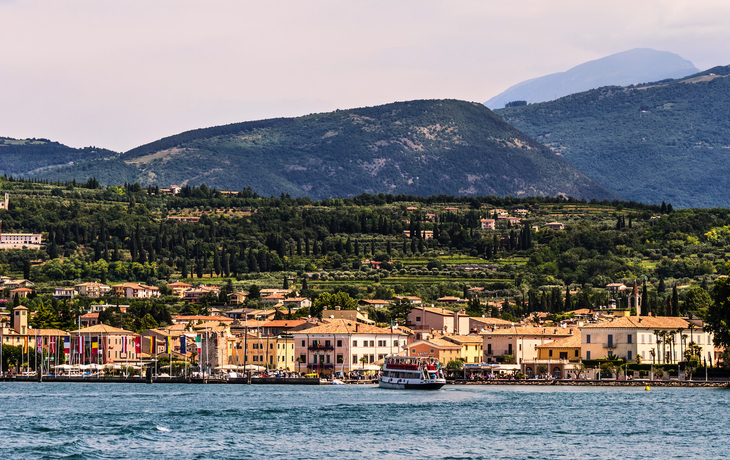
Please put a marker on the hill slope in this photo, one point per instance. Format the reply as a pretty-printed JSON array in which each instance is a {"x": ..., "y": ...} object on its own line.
[
  {"x": 634, "y": 66},
  {"x": 419, "y": 147},
  {"x": 663, "y": 141}
]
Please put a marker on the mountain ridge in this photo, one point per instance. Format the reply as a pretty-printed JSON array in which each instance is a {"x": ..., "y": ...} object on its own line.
[
  {"x": 637, "y": 65},
  {"x": 425, "y": 147},
  {"x": 661, "y": 141}
]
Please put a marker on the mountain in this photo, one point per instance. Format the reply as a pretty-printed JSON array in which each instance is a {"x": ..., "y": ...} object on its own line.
[
  {"x": 424, "y": 148},
  {"x": 43, "y": 158},
  {"x": 666, "y": 141},
  {"x": 622, "y": 69}
]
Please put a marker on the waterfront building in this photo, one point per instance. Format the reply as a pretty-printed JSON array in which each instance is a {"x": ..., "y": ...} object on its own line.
[
  {"x": 340, "y": 344},
  {"x": 272, "y": 352},
  {"x": 115, "y": 345},
  {"x": 521, "y": 342},
  {"x": 559, "y": 358},
  {"x": 661, "y": 339},
  {"x": 438, "y": 348},
  {"x": 471, "y": 347}
]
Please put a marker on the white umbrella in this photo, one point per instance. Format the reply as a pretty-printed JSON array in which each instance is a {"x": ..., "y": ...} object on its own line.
[
  {"x": 227, "y": 367},
  {"x": 64, "y": 367},
  {"x": 250, "y": 367}
]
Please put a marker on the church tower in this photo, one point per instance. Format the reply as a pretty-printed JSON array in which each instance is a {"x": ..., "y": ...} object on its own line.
[{"x": 635, "y": 299}]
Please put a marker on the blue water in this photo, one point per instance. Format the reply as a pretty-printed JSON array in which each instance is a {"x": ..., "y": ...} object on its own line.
[{"x": 57, "y": 420}]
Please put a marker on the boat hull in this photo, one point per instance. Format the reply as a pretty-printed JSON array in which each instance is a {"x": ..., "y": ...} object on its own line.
[{"x": 411, "y": 386}]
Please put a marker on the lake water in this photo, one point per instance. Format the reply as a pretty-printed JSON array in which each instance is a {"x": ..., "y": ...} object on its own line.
[{"x": 53, "y": 420}]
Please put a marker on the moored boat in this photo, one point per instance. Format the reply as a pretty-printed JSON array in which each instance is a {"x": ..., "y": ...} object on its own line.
[{"x": 411, "y": 373}]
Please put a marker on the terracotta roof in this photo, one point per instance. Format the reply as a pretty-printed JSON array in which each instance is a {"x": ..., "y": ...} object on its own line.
[
  {"x": 90, "y": 315},
  {"x": 104, "y": 329},
  {"x": 22, "y": 290},
  {"x": 438, "y": 311},
  {"x": 440, "y": 343},
  {"x": 48, "y": 332},
  {"x": 500, "y": 321},
  {"x": 343, "y": 326},
  {"x": 448, "y": 297},
  {"x": 531, "y": 330},
  {"x": 568, "y": 342},
  {"x": 285, "y": 323},
  {"x": 642, "y": 322},
  {"x": 464, "y": 339}
]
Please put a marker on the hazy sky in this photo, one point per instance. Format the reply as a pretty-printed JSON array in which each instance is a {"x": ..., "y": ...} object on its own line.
[{"x": 118, "y": 74}]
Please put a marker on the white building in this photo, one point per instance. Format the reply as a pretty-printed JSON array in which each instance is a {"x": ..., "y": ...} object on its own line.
[
  {"x": 19, "y": 240},
  {"x": 629, "y": 336},
  {"x": 340, "y": 344}
]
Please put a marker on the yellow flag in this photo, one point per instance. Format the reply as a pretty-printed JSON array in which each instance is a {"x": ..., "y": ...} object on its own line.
[{"x": 25, "y": 345}]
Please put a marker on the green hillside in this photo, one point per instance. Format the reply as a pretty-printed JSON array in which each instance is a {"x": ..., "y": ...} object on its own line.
[
  {"x": 661, "y": 141},
  {"x": 418, "y": 148}
]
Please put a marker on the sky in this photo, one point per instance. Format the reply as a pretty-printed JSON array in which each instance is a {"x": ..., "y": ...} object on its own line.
[{"x": 119, "y": 74}]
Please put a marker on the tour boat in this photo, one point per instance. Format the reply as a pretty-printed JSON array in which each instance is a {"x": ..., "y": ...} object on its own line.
[{"x": 411, "y": 373}]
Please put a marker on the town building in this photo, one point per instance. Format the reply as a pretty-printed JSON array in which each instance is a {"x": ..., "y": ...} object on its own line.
[
  {"x": 488, "y": 224},
  {"x": 339, "y": 346},
  {"x": 438, "y": 319},
  {"x": 555, "y": 226},
  {"x": 661, "y": 339},
  {"x": 134, "y": 290},
  {"x": 471, "y": 347},
  {"x": 559, "y": 358},
  {"x": 438, "y": 348},
  {"x": 520, "y": 342},
  {"x": 20, "y": 240},
  {"x": 92, "y": 289}
]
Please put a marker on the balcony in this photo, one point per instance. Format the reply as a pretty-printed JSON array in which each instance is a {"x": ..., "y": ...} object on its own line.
[
  {"x": 611, "y": 346},
  {"x": 321, "y": 347},
  {"x": 320, "y": 365}
]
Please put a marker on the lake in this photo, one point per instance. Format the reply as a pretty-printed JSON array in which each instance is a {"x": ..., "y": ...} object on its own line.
[{"x": 53, "y": 420}]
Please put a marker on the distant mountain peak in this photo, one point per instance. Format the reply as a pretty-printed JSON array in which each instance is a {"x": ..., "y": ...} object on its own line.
[{"x": 638, "y": 65}]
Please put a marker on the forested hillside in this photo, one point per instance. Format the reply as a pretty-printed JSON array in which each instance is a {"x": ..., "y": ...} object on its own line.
[
  {"x": 663, "y": 141},
  {"x": 429, "y": 247},
  {"x": 418, "y": 147}
]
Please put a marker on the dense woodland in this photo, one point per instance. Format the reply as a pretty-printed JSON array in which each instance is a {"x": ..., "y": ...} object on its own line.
[{"x": 246, "y": 241}]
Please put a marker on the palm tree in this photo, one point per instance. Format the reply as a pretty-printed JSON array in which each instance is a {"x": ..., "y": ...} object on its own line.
[
  {"x": 364, "y": 361},
  {"x": 652, "y": 352},
  {"x": 658, "y": 335},
  {"x": 299, "y": 361},
  {"x": 684, "y": 342}
]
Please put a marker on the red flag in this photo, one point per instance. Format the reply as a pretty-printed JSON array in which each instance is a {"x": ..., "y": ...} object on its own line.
[
  {"x": 138, "y": 345},
  {"x": 53, "y": 344}
]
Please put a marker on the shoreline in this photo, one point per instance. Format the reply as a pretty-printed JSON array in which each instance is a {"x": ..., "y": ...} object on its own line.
[{"x": 316, "y": 382}]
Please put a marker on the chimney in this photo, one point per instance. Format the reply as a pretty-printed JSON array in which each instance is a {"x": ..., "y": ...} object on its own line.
[
  {"x": 357, "y": 327},
  {"x": 337, "y": 308},
  {"x": 456, "y": 322}
]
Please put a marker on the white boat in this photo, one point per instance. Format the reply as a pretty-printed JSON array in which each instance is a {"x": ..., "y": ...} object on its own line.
[{"x": 411, "y": 373}]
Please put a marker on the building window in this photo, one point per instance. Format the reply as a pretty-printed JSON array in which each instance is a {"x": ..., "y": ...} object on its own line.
[
  {"x": 327, "y": 343},
  {"x": 577, "y": 353},
  {"x": 610, "y": 340},
  {"x": 354, "y": 343},
  {"x": 354, "y": 359},
  {"x": 395, "y": 343},
  {"x": 418, "y": 319},
  {"x": 550, "y": 353},
  {"x": 339, "y": 343},
  {"x": 588, "y": 354},
  {"x": 303, "y": 343},
  {"x": 629, "y": 355},
  {"x": 588, "y": 339},
  {"x": 372, "y": 343},
  {"x": 629, "y": 339}
]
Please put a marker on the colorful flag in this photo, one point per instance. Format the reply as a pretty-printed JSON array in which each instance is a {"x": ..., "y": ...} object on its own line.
[
  {"x": 81, "y": 345},
  {"x": 53, "y": 344},
  {"x": 138, "y": 344},
  {"x": 67, "y": 345},
  {"x": 94, "y": 346},
  {"x": 199, "y": 344},
  {"x": 153, "y": 345},
  {"x": 39, "y": 345},
  {"x": 183, "y": 345},
  {"x": 25, "y": 344},
  {"x": 124, "y": 344},
  {"x": 168, "y": 345}
]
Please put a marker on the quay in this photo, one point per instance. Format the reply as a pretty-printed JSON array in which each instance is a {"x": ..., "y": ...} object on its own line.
[{"x": 185, "y": 380}]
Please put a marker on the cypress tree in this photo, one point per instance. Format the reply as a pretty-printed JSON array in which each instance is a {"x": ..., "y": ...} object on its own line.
[{"x": 675, "y": 301}]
